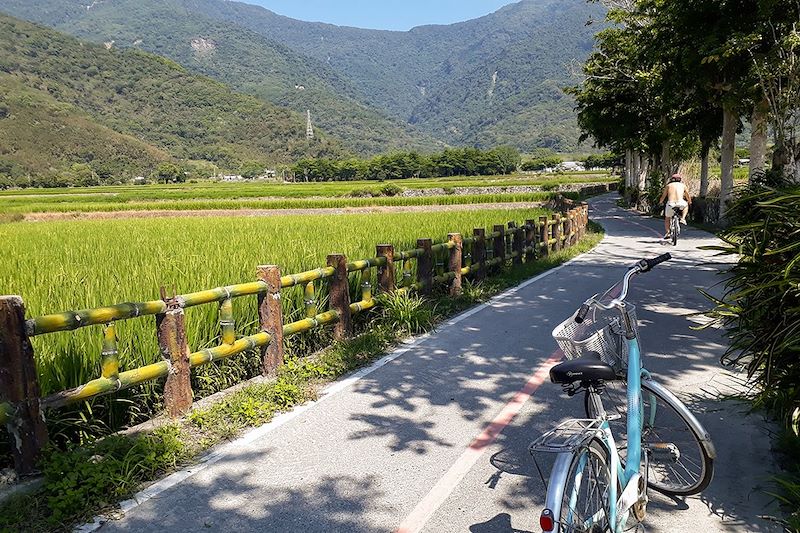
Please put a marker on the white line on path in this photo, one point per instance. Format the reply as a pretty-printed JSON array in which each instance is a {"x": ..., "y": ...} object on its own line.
[{"x": 425, "y": 509}]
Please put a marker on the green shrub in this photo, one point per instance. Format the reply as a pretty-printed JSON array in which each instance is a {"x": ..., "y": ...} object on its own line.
[
  {"x": 391, "y": 190},
  {"x": 406, "y": 313},
  {"x": 541, "y": 163}
]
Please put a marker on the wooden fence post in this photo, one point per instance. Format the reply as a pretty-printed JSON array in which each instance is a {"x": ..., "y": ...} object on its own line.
[
  {"x": 499, "y": 246},
  {"x": 456, "y": 253},
  {"x": 569, "y": 228},
  {"x": 557, "y": 231},
  {"x": 544, "y": 235},
  {"x": 517, "y": 243},
  {"x": 340, "y": 296},
  {"x": 175, "y": 349},
  {"x": 425, "y": 265},
  {"x": 584, "y": 217},
  {"x": 530, "y": 240},
  {"x": 479, "y": 252},
  {"x": 575, "y": 226},
  {"x": 19, "y": 386},
  {"x": 270, "y": 318},
  {"x": 386, "y": 280}
]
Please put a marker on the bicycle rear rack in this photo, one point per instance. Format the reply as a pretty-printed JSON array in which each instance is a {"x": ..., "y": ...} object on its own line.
[{"x": 567, "y": 436}]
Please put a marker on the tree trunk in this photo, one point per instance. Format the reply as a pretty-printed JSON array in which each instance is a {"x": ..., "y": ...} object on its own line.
[
  {"x": 628, "y": 168},
  {"x": 793, "y": 169},
  {"x": 729, "y": 124},
  {"x": 644, "y": 168},
  {"x": 634, "y": 184},
  {"x": 666, "y": 161},
  {"x": 704, "y": 169},
  {"x": 758, "y": 140}
]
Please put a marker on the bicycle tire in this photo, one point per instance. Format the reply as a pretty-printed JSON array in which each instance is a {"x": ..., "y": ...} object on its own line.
[
  {"x": 669, "y": 429},
  {"x": 675, "y": 230},
  {"x": 597, "y": 465}
]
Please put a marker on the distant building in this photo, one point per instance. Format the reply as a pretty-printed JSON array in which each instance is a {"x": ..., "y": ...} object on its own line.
[
  {"x": 571, "y": 166},
  {"x": 232, "y": 177},
  {"x": 140, "y": 180}
]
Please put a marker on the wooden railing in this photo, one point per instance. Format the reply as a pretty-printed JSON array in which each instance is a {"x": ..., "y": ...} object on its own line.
[{"x": 21, "y": 406}]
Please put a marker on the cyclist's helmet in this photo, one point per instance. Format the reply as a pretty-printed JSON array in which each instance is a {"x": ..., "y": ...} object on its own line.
[{"x": 676, "y": 177}]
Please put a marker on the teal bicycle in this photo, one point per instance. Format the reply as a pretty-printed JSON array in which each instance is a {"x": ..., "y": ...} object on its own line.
[{"x": 604, "y": 468}]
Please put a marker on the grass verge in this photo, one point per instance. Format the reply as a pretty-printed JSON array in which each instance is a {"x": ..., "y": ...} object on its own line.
[{"x": 80, "y": 482}]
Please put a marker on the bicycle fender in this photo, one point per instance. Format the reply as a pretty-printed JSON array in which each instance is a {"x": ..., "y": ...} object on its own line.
[
  {"x": 555, "y": 487},
  {"x": 680, "y": 408}
]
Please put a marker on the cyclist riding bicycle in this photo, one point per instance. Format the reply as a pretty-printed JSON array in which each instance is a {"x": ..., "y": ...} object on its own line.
[{"x": 677, "y": 195}]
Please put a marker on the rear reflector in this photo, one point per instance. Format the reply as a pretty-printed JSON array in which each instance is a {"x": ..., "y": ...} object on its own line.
[{"x": 546, "y": 520}]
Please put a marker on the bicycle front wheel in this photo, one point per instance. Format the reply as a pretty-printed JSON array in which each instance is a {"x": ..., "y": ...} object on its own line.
[
  {"x": 681, "y": 457},
  {"x": 586, "y": 491}
]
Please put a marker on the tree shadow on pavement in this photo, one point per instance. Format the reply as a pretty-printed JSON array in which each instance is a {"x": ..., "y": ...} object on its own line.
[{"x": 235, "y": 497}]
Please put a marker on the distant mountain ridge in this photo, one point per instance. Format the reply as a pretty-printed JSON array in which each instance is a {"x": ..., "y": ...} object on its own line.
[
  {"x": 66, "y": 102},
  {"x": 488, "y": 81},
  {"x": 243, "y": 59},
  {"x": 421, "y": 75}
]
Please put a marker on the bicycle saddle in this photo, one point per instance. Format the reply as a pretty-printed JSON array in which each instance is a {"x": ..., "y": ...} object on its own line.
[{"x": 582, "y": 369}]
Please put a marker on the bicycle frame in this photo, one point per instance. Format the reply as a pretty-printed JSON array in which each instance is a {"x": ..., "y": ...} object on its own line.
[{"x": 617, "y": 513}]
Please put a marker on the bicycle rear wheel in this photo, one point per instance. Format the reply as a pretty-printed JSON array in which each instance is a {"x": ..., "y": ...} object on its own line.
[
  {"x": 676, "y": 229},
  {"x": 681, "y": 460},
  {"x": 586, "y": 491}
]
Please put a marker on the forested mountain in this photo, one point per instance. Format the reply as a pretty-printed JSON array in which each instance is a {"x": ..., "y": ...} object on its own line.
[
  {"x": 496, "y": 79},
  {"x": 64, "y": 102},
  {"x": 243, "y": 59}
]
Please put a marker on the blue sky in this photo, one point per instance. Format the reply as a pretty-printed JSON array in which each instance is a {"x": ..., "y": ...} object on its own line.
[{"x": 383, "y": 14}]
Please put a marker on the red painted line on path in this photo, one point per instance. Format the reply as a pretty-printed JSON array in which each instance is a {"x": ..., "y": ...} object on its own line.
[{"x": 447, "y": 483}]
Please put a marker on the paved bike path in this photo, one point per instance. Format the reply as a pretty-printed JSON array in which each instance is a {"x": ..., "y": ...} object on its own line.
[{"x": 410, "y": 443}]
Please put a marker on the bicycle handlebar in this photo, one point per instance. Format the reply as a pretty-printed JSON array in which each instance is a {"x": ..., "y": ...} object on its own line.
[{"x": 644, "y": 265}]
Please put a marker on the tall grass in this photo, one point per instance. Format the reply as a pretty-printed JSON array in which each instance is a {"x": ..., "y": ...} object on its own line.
[{"x": 66, "y": 265}]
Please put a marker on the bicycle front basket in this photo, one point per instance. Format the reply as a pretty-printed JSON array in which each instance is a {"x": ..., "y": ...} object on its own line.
[{"x": 600, "y": 335}]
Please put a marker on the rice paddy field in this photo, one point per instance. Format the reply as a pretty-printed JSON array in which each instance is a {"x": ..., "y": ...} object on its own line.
[
  {"x": 271, "y": 195},
  {"x": 77, "y": 264}
]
